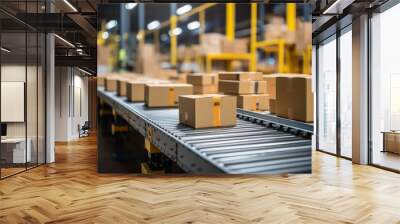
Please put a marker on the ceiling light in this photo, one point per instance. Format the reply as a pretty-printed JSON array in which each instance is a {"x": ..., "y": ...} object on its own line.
[
  {"x": 70, "y": 5},
  {"x": 153, "y": 25},
  {"x": 79, "y": 50},
  {"x": 105, "y": 35},
  {"x": 193, "y": 25},
  {"x": 177, "y": 31},
  {"x": 111, "y": 24},
  {"x": 130, "y": 6},
  {"x": 65, "y": 41},
  {"x": 184, "y": 9},
  {"x": 5, "y": 50}
]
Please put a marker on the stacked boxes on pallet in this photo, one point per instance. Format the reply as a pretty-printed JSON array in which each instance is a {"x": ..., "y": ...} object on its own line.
[{"x": 249, "y": 88}]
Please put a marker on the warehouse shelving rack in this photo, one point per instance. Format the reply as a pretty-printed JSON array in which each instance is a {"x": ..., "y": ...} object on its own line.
[{"x": 284, "y": 62}]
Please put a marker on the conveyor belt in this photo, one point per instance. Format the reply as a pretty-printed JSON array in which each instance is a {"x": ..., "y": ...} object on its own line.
[{"x": 255, "y": 145}]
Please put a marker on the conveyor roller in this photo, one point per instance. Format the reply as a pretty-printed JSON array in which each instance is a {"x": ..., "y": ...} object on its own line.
[{"x": 257, "y": 144}]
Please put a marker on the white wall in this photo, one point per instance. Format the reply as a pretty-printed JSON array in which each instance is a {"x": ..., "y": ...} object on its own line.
[{"x": 71, "y": 94}]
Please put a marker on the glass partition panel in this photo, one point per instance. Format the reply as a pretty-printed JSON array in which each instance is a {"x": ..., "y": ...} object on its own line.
[
  {"x": 385, "y": 89},
  {"x": 327, "y": 96},
  {"x": 346, "y": 93},
  {"x": 15, "y": 150},
  {"x": 32, "y": 97}
]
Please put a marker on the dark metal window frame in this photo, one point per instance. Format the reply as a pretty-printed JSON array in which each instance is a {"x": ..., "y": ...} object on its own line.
[
  {"x": 44, "y": 80},
  {"x": 340, "y": 29}
]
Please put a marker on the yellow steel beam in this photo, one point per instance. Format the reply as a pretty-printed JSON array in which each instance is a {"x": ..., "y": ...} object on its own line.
[
  {"x": 281, "y": 57},
  {"x": 291, "y": 16},
  {"x": 224, "y": 57},
  {"x": 230, "y": 21},
  {"x": 174, "y": 41},
  {"x": 141, "y": 37},
  {"x": 253, "y": 38}
]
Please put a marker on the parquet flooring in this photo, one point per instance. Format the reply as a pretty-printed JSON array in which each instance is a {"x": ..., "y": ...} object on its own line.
[{"x": 71, "y": 191}]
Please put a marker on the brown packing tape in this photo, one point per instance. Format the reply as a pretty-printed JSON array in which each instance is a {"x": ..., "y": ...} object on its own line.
[
  {"x": 216, "y": 111},
  {"x": 171, "y": 96},
  {"x": 254, "y": 103},
  {"x": 256, "y": 87},
  {"x": 257, "y": 99}
]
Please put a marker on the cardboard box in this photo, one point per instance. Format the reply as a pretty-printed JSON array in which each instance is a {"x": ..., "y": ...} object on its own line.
[
  {"x": 392, "y": 142},
  {"x": 242, "y": 87},
  {"x": 110, "y": 84},
  {"x": 272, "y": 106},
  {"x": 271, "y": 85},
  {"x": 165, "y": 94},
  {"x": 135, "y": 91},
  {"x": 294, "y": 98},
  {"x": 253, "y": 102},
  {"x": 202, "y": 79},
  {"x": 207, "y": 89},
  {"x": 135, "y": 88},
  {"x": 241, "y": 76},
  {"x": 271, "y": 82},
  {"x": 303, "y": 35},
  {"x": 122, "y": 84},
  {"x": 205, "y": 111},
  {"x": 236, "y": 46},
  {"x": 211, "y": 43},
  {"x": 100, "y": 80},
  {"x": 277, "y": 29},
  {"x": 179, "y": 78}
]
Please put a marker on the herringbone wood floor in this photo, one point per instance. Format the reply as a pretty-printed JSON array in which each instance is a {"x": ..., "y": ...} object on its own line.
[{"x": 71, "y": 191}]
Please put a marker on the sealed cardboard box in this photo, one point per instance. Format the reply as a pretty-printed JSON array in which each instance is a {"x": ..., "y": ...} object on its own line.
[
  {"x": 200, "y": 79},
  {"x": 271, "y": 82},
  {"x": 205, "y": 111},
  {"x": 253, "y": 102},
  {"x": 237, "y": 46},
  {"x": 110, "y": 83},
  {"x": 294, "y": 98},
  {"x": 122, "y": 84},
  {"x": 271, "y": 85},
  {"x": 211, "y": 43},
  {"x": 101, "y": 80},
  {"x": 207, "y": 89},
  {"x": 135, "y": 89},
  {"x": 242, "y": 87},
  {"x": 241, "y": 76},
  {"x": 165, "y": 94},
  {"x": 391, "y": 142},
  {"x": 272, "y": 106},
  {"x": 178, "y": 78}
]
